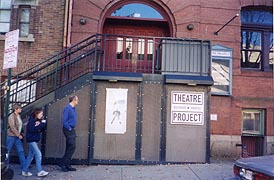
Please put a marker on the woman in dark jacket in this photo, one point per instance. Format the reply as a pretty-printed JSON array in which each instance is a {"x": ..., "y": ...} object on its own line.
[{"x": 36, "y": 124}]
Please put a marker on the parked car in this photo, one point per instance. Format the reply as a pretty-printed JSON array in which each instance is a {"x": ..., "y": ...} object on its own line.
[
  {"x": 255, "y": 168},
  {"x": 6, "y": 172}
]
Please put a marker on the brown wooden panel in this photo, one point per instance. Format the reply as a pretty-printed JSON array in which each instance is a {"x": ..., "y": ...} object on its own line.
[
  {"x": 115, "y": 146},
  {"x": 55, "y": 140},
  {"x": 151, "y": 122},
  {"x": 186, "y": 143}
]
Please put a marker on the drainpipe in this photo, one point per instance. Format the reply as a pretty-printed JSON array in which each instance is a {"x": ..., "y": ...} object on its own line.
[
  {"x": 65, "y": 25},
  {"x": 69, "y": 23}
]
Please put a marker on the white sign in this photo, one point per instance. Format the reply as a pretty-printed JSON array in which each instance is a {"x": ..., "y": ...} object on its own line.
[
  {"x": 213, "y": 117},
  {"x": 221, "y": 53},
  {"x": 116, "y": 111},
  {"x": 187, "y": 108},
  {"x": 11, "y": 49}
]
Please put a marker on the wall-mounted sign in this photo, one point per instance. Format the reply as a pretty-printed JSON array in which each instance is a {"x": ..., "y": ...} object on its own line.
[
  {"x": 11, "y": 49},
  {"x": 213, "y": 117},
  {"x": 221, "y": 53},
  {"x": 116, "y": 111},
  {"x": 187, "y": 108}
]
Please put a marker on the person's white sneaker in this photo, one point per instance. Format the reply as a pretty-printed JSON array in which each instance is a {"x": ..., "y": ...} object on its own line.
[
  {"x": 42, "y": 173},
  {"x": 26, "y": 173}
]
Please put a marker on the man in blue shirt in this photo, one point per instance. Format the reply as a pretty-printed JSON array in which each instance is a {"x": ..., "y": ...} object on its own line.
[{"x": 69, "y": 121}]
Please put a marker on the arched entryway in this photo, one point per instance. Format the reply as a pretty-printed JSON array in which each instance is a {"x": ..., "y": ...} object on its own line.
[
  {"x": 142, "y": 18},
  {"x": 134, "y": 31}
]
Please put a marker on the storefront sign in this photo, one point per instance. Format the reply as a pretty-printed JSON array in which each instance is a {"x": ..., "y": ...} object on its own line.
[
  {"x": 116, "y": 111},
  {"x": 11, "y": 49},
  {"x": 187, "y": 108}
]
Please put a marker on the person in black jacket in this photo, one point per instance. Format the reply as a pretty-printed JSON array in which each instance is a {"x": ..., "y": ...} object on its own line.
[{"x": 35, "y": 125}]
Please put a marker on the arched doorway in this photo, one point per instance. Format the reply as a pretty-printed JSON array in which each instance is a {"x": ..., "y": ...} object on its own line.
[
  {"x": 142, "y": 19},
  {"x": 134, "y": 31}
]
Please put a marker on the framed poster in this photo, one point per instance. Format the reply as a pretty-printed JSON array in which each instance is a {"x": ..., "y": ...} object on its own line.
[{"x": 116, "y": 111}]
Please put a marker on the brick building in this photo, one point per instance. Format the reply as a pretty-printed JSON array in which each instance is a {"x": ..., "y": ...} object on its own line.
[
  {"x": 41, "y": 25},
  {"x": 252, "y": 90},
  {"x": 241, "y": 103}
]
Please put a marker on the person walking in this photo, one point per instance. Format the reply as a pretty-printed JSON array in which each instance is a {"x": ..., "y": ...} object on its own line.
[
  {"x": 69, "y": 121},
  {"x": 35, "y": 126},
  {"x": 15, "y": 135}
]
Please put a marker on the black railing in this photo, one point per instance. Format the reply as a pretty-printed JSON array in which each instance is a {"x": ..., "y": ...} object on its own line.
[
  {"x": 110, "y": 53},
  {"x": 123, "y": 53},
  {"x": 146, "y": 54},
  {"x": 56, "y": 71},
  {"x": 2, "y": 90}
]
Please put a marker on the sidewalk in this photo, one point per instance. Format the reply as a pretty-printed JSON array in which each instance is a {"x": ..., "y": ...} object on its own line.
[{"x": 215, "y": 171}]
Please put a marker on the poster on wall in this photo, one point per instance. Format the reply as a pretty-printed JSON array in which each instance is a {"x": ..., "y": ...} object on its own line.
[
  {"x": 116, "y": 111},
  {"x": 187, "y": 108}
]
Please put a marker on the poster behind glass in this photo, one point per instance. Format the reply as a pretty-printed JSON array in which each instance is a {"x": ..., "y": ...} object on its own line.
[{"x": 221, "y": 76}]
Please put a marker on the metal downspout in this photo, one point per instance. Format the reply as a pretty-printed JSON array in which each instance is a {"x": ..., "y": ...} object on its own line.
[
  {"x": 69, "y": 23},
  {"x": 65, "y": 25}
]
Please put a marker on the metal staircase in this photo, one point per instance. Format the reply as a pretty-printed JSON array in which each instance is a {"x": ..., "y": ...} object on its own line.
[{"x": 53, "y": 73}]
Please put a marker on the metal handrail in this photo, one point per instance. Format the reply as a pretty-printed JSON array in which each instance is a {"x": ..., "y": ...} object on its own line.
[
  {"x": 52, "y": 73},
  {"x": 110, "y": 53},
  {"x": 53, "y": 59}
]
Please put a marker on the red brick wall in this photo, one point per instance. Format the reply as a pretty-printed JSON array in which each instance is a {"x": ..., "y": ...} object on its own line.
[
  {"x": 249, "y": 90},
  {"x": 46, "y": 25}
]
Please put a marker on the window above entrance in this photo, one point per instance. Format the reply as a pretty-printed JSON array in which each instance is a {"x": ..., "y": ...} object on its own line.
[{"x": 136, "y": 10}]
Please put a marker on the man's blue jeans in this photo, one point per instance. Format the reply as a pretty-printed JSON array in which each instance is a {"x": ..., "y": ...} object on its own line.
[
  {"x": 34, "y": 151},
  {"x": 13, "y": 140}
]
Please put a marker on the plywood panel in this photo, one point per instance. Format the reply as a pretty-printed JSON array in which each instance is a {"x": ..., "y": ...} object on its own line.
[
  {"x": 115, "y": 146},
  {"x": 55, "y": 140},
  {"x": 151, "y": 122},
  {"x": 185, "y": 143}
]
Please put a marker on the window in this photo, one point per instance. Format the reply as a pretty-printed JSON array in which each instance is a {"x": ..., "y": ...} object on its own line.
[
  {"x": 23, "y": 92},
  {"x": 5, "y": 13},
  {"x": 251, "y": 49},
  {"x": 141, "y": 49},
  {"x": 150, "y": 49},
  {"x": 271, "y": 56},
  {"x": 257, "y": 38},
  {"x": 253, "y": 121},
  {"x": 24, "y": 21},
  {"x": 136, "y": 10},
  {"x": 128, "y": 50},
  {"x": 120, "y": 48},
  {"x": 134, "y": 48}
]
